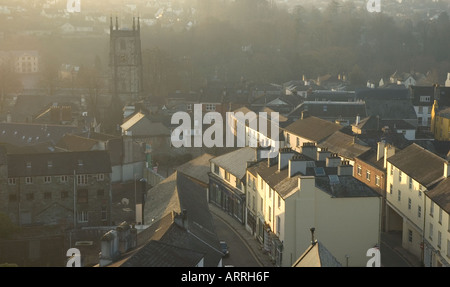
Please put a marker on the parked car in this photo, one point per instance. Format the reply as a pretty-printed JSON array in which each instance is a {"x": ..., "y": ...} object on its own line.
[{"x": 224, "y": 247}]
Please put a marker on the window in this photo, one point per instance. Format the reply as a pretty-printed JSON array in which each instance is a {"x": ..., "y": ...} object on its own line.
[
  {"x": 28, "y": 180},
  {"x": 410, "y": 183},
  {"x": 425, "y": 99},
  {"x": 440, "y": 216},
  {"x": 82, "y": 179},
  {"x": 391, "y": 188},
  {"x": 432, "y": 209},
  {"x": 298, "y": 142},
  {"x": 368, "y": 175},
  {"x": 325, "y": 108},
  {"x": 100, "y": 177},
  {"x": 448, "y": 248},
  {"x": 270, "y": 192},
  {"x": 400, "y": 176},
  {"x": 254, "y": 203},
  {"x": 399, "y": 198},
  {"x": 262, "y": 204},
  {"x": 28, "y": 164},
  {"x": 82, "y": 216},
  {"x": 431, "y": 231},
  {"x": 419, "y": 211},
  {"x": 409, "y": 203},
  {"x": 210, "y": 107},
  {"x": 11, "y": 181},
  {"x": 104, "y": 213},
  {"x": 392, "y": 170},
  {"x": 253, "y": 184},
  {"x": 288, "y": 138},
  {"x": 279, "y": 202},
  {"x": 216, "y": 169},
  {"x": 377, "y": 180},
  {"x": 278, "y": 225},
  {"x": 47, "y": 179},
  {"x": 47, "y": 195},
  {"x": 189, "y": 107},
  {"x": 420, "y": 110},
  {"x": 82, "y": 196},
  {"x": 49, "y": 163},
  {"x": 410, "y": 235},
  {"x": 64, "y": 178},
  {"x": 270, "y": 213},
  {"x": 80, "y": 162},
  {"x": 359, "y": 170},
  {"x": 238, "y": 183},
  {"x": 227, "y": 176},
  {"x": 439, "y": 240}
]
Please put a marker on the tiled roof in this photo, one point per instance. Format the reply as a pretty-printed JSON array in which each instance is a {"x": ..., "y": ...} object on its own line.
[
  {"x": 422, "y": 165},
  {"x": 313, "y": 128}
]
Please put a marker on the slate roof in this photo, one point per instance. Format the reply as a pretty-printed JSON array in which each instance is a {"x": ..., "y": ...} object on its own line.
[
  {"x": 440, "y": 194},
  {"x": 159, "y": 254},
  {"x": 175, "y": 194},
  {"x": 344, "y": 145},
  {"x": 391, "y": 109},
  {"x": 22, "y": 134},
  {"x": 383, "y": 94},
  {"x": 235, "y": 162},
  {"x": 197, "y": 168},
  {"x": 313, "y": 128},
  {"x": 330, "y": 110},
  {"x": 72, "y": 142},
  {"x": 422, "y": 165},
  {"x": 317, "y": 255},
  {"x": 60, "y": 163}
]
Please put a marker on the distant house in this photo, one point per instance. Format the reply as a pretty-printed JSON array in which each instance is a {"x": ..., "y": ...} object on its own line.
[{"x": 317, "y": 255}]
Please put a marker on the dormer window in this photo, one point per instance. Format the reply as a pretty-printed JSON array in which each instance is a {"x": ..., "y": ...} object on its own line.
[
  {"x": 28, "y": 164},
  {"x": 49, "y": 163},
  {"x": 80, "y": 162}
]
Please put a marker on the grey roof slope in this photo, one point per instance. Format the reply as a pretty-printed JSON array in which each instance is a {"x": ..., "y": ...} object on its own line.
[
  {"x": 178, "y": 193},
  {"x": 317, "y": 255},
  {"x": 422, "y": 165},
  {"x": 344, "y": 145},
  {"x": 60, "y": 163},
  {"x": 313, "y": 128},
  {"x": 235, "y": 162},
  {"x": 159, "y": 254},
  {"x": 391, "y": 109},
  {"x": 440, "y": 194},
  {"x": 197, "y": 168}
]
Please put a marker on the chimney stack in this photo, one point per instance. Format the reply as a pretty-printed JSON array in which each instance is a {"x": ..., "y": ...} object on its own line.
[
  {"x": 323, "y": 154},
  {"x": 333, "y": 160},
  {"x": 298, "y": 163},
  {"x": 446, "y": 170},
  {"x": 380, "y": 150},
  {"x": 309, "y": 149},
  {"x": 388, "y": 152},
  {"x": 345, "y": 169},
  {"x": 283, "y": 157}
]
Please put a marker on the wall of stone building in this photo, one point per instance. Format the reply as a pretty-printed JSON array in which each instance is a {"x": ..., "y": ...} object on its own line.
[{"x": 53, "y": 203}]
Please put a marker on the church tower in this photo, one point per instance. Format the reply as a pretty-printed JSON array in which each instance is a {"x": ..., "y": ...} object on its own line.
[{"x": 125, "y": 61}]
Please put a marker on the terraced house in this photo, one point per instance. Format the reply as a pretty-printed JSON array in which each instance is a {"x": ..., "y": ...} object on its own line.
[
  {"x": 417, "y": 203},
  {"x": 71, "y": 189},
  {"x": 291, "y": 194}
]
